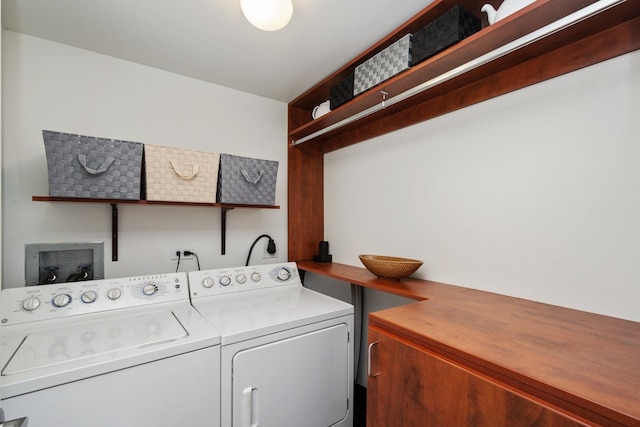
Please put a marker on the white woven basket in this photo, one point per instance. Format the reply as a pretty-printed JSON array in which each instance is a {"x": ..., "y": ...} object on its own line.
[{"x": 180, "y": 175}]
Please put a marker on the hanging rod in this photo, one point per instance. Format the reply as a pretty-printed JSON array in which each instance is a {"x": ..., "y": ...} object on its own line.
[{"x": 549, "y": 29}]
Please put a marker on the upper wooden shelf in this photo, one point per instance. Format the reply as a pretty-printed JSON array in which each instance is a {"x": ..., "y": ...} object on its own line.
[{"x": 566, "y": 50}]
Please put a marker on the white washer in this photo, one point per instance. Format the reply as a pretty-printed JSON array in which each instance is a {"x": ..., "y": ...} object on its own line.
[
  {"x": 287, "y": 351},
  {"x": 128, "y": 352}
]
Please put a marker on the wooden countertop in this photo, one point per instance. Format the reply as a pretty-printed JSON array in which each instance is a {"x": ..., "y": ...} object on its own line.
[
  {"x": 416, "y": 289},
  {"x": 584, "y": 362}
]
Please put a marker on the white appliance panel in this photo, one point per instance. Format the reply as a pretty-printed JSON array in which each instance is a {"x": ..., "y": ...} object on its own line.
[
  {"x": 165, "y": 393},
  {"x": 305, "y": 381}
]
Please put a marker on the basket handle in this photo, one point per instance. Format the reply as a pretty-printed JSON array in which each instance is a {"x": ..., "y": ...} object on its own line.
[
  {"x": 82, "y": 159},
  {"x": 194, "y": 171},
  {"x": 248, "y": 177}
]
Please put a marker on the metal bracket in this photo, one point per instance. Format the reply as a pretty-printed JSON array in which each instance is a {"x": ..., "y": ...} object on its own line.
[
  {"x": 114, "y": 232},
  {"x": 384, "y": 98},
  {"x": 223, "y": 229}
]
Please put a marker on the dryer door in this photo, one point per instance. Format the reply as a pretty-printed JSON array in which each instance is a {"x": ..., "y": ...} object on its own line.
[{"x": 299, "y": 381}]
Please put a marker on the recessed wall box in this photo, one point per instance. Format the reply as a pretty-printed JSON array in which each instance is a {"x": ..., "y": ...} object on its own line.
[{"x": 47, "y": 263}]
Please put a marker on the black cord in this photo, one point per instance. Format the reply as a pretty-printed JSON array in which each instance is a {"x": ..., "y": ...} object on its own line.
[
  {"x": 189, "y": 253},
  {"x": 271, "y": 246},
  {"x": 178, "y": 266}
]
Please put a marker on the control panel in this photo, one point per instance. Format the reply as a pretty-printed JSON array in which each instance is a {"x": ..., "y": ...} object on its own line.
[
  {"x": 26, "y": 304},
  {"x": 240, "y": 279}
]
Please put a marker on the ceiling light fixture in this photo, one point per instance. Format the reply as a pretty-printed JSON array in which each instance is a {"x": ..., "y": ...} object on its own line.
[{"x": 267, "y": 15}]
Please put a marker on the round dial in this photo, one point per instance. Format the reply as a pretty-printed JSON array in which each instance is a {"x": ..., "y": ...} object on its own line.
[
  {"x": 88, "y": 297},
  {"x": 150, "y": 289},
  {"x": 225, "y": 280},
  {"x": 114, "y": 293},
  {"x": 255, "y": 276},
  {"x": 284, "y": 274},
  {"x": 241, "y": 278},
  {"x": 61, "y": 300},
  {"x": 31, "y": 303},
  {"x": 207, "y": 282}
]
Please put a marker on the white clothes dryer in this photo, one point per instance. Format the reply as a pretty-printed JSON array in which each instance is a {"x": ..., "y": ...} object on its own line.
[
  {"x": 129, "y": 352},
  {"x": 287, "y": 351}
]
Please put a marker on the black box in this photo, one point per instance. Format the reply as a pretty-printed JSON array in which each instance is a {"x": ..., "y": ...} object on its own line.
[
  {"x": 449, "y": 28},
  {"x": 342, "y": 92}
]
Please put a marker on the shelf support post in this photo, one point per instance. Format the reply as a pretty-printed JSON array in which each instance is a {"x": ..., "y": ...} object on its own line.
[
  {"x": 114, "y": 232},
  {"x": 223, "y": 229}
]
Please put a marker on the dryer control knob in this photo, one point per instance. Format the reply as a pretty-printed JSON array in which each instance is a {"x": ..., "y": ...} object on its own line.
[
  {"x": 255, "y": 276},
  {"x": 88, "y": 297},
  {"x": 284, "y": 274},
  {"x": 30, "y": 303},
  {"x": 150, "y": 289},
  {"x": 241, "y": 278},
  {"x": 207, "y": 282},
  {"x": 225, "y": 280},
  {"x": 61, "y": 300},
  {"x": 114, "y": 293}
]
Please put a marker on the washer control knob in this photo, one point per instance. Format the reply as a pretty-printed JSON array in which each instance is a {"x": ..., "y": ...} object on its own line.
[
  {"x": 150, "y": 289},
  {"x": 30, "y": 303},
  {"x": 61, "y": 300},
  {"x": 207, "y": 282},
  {"x": 255, "y": 276},
  {"x": 225, "y": 280},
  {"x": 284, "y": 274},
  {"x": 88, "y": 297},
  {"x": 241, "y": 278},
  {"x": 114, "y": 293}
]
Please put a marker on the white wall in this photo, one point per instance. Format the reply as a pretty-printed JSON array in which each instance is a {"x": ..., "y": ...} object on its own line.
[
  {"x": 534, "y": 194},
  {"x": 57, "y": 87}
]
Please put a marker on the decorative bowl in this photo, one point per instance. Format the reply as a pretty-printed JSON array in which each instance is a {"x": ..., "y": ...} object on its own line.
[{"x": 388, "y": 267}]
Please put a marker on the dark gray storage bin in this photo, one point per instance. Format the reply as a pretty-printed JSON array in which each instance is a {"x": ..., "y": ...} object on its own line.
[
  {"x": 451, "y": 27},
  {"x": 341, "y": 93}
]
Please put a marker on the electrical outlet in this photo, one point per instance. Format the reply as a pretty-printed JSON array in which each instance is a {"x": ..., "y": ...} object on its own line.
[
  {"x": 265, "y": 254},
  {"x": 182, "y": 255}
]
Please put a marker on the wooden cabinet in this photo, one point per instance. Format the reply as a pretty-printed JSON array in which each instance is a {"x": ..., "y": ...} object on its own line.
[
  {"x": 599, "y": 37},
  {"x": 464, "y": 357},
  {"x": 411, "y": 386}
]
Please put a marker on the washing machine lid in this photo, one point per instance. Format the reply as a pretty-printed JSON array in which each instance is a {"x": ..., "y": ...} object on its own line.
[
  {"x": 246, "y": 315},
  {"x": 77, "y": 343}
]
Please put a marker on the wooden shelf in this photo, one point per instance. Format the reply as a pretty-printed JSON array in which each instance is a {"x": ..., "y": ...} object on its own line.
[
  {"x": 412, "y": 288},
  {"x": 608, "y": 34},
  {"x": 225, "y": 207},
  {"x": 148, "y": 202}
]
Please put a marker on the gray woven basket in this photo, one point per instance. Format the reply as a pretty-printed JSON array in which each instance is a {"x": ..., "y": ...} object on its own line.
[
  {"x": 91, "y": 167},
  {"x": 247, "y": 181}
]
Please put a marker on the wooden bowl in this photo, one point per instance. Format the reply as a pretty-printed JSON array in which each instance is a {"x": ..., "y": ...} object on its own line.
[{"x": 388, "y": 267}]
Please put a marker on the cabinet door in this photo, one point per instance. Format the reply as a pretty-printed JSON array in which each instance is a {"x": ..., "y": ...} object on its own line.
[{"x": 408, "y": 386}]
